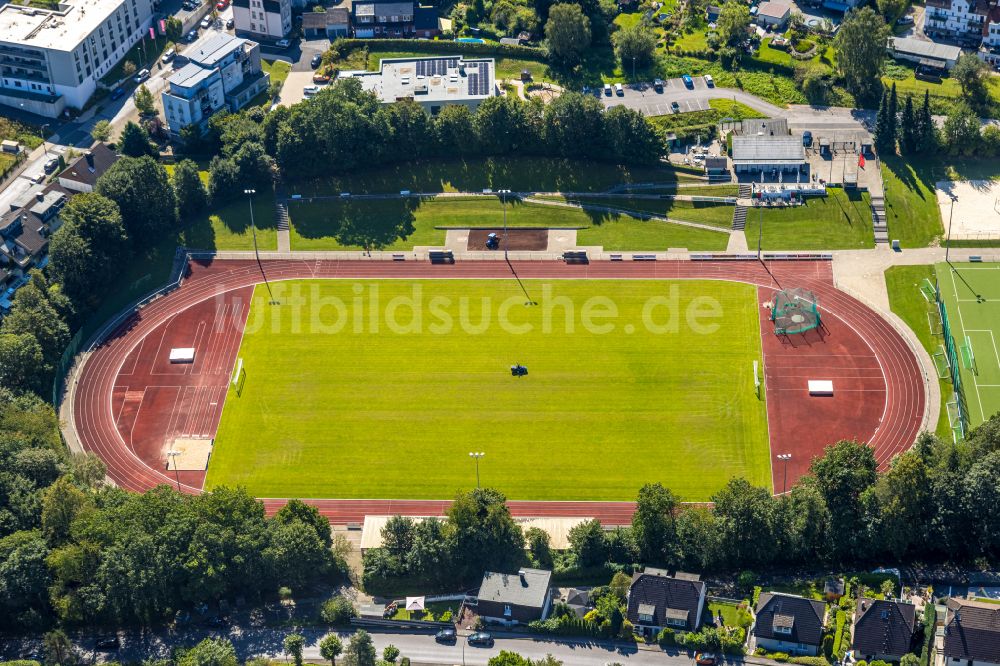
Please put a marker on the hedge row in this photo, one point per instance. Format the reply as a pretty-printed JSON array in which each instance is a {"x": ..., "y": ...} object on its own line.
[{"x": 442, "y": 46}]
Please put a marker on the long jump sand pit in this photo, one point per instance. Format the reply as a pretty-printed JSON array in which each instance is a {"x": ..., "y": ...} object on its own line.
[{"x": 976, "y": 212}]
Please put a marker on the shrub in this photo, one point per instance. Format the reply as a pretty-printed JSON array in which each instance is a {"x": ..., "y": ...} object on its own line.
[
  {"x": 390, "y": 653},
  {"x": 338, "y": 610},
  {"x": 810, "y": 661},
  {"x": 666, "y": 637},
  {"x": 780, "y": 657},
  {"x": 803, "y": 46}
]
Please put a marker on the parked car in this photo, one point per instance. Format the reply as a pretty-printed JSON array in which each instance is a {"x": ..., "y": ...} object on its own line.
[
  {"x": 168, "y": 55},
  {"x": 316, "y": 61},
  {"x": 675, "y": 107},
  {"x": 703, "y": 659},
  {"x": 607, "y": 89},
  {"x": 282, "y": 43},
  {"x": 51, "y": 165},
  {"x": 309, "y": 91},
  {"x": 688, "y": 81},
  {"x": 807, "y": 138},
  {"x": 192, "y": 36},
  {"x": 107, "y": 643},
  {"x": 619, "y": 90},
  {"x": 709, "y": 81},
  {"x": 230, "y": 23},
  {"x": 206, "y": 23},
  {"x": 321, "y": 79},
  {"x": 142, "y": 75},
  {"x": 481, "y": 638},
  {"x": 222, "y": 5},
  {"x": 658, "y": 85},
  {"x": 117, "y": 94},
  {"x": 446, "y": 636},
  {"x": 905, "y": 20}
]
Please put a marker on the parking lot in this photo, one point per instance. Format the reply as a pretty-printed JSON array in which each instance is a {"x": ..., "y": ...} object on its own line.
[{"x": 643, "y": 97}]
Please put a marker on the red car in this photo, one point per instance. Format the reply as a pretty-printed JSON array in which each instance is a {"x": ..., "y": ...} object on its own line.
[
  {"x": 703, "y": 659},
  {"x": 222, "y": 4}
]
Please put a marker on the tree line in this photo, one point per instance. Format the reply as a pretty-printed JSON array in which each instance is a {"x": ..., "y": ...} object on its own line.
[
  {"x": 933, "y": 503},
  {"x": 74, "y": 551}
]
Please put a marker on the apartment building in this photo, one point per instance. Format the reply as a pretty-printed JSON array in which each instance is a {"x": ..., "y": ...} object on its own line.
[
  {"x": 51, "y": 59},
  {"x": 223, "y": 71},
  {"x": 963, "y": 21},
  {"x": 990, "y": 49},
  {"x": 262, "y": 20},
  {"x": 382, "y": 18}
]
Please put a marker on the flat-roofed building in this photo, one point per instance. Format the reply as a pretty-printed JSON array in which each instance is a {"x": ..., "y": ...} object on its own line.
[
  {"x": 768, "y": 153},
  {"x": 51, "y": 59},
  {"x": 262, "y": 20},
  {"x": 434, "y": 82}
]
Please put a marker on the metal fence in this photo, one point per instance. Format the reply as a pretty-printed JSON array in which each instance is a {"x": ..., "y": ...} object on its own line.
[{"x": 958, "y": 410}]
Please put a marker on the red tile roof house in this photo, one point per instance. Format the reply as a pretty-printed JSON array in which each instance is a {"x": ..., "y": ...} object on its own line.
[
  {"x": 971, "y": 634},
  {"x": 883, "y": 629},
  {"x": 788, "y": 623},
  {"x": 657, "y": 600}
]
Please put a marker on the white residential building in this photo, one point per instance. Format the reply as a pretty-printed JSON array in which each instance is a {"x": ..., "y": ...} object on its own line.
[
  {"x": 433, "y": 83},
  {"x": 223, "y": 71},
  {"x": 262, "y": 20},
  {"x": 990, "y": 49},
  {"x": 963, "y": 21},
  {"x": 51, "y": 59}
]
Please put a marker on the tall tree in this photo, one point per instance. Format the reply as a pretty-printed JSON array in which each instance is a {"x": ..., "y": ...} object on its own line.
[
  {"x": 635, "y": 47},
  {"x": 330, "y": 648},
  {"x": 481, "y": 534},
  {"x": 134, "y": 141},
  {"x": 893, "y": 116},
  {"x": 654, "y": 525},
  {"x": 101, "y": 131},
  {"x": 901, "y": 506},
  {"x": 972, "y": 75},
  {"x": 732, "y": 24},
  {"x": 573, "y": 125},
  {"x": 360, "y": 651},
  {"x": 883, "y": 132},
  {"x": 586, "y": 541},
  {"x": 567, "y": 32},
  {"x": 961, "y": 131},
  {"x": 294, "y": 644},
  {"x": 908, "y": 139},
  {"x": 210, "y": 652},
  {"x": 192, "y": 197},
  {"x": 744, "y": 515},
  {"x": 91, "y": 238},
  {"x": 22, "y": 366},
  {"x": 631, "y": 139},
  {"x": 144, "y": 196},
  {"x": 927, "y": 138},
  {"x": 843, "y": 473},
  {"x": 36, "y": 310},
  {"x": 860, "y": 45},
  {"x": 144, "y": 102}
]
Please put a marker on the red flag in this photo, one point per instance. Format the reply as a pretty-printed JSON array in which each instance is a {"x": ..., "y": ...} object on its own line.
[
  {"x": 163, "y": 27},
  {"x": 861, "y": 160},
  {"x": 152, "y": 33}
]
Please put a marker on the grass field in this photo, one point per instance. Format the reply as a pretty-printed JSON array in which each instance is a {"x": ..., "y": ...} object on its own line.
[
  {"x": 980, "y": 321},
  {"x": 838, "y": 221},
  {"x": 393, "y": 413},
  {"x": 315, "y": 226},
  {"x": 906, "y": 301}
]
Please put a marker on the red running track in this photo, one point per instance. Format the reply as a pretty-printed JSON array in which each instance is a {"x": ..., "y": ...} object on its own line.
[{"x": 125, "y": 410}]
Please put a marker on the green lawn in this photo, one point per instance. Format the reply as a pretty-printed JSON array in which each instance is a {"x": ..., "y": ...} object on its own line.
[
  {"x": 911, "y": 205},
  {"x": 943, "y": 95},
  {"x": 906, "y": 301},
  {"x": 336, "y": 406},
  {"x": 523, "y": 174},
  {"x": 228, "y": 227},
  {"x": 714, "y": 214},
  {"x": 980, "y": 321},
  {"x": 838, "y": 221},
  {"x": 278, "y": 69},
  {"x": 316, "y": 225}
]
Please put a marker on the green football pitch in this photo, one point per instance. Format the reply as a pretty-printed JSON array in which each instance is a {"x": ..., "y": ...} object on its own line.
[
  {"x": 382, "y": 388},
  {"x": 971, "y": 294}
]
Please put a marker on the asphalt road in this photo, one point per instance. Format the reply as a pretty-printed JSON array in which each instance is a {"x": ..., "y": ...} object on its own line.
[{"x": 420, "y": 648}]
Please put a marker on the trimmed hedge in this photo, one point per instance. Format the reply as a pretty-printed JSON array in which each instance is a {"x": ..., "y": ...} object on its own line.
[
  {"x": 343, "y": 46},
  {"x": 810, "y": 661}
]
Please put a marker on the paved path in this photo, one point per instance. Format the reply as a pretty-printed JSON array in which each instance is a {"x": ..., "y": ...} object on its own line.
[{"x": 284, "y": 240}]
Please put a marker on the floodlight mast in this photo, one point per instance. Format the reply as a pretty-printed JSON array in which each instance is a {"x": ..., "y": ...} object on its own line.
[
  {"x": 476, "y": 455},
  {"x": 784, "y": 457}
]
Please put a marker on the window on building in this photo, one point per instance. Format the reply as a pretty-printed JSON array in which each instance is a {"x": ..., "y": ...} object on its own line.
[
  {"x": 506, "y": 611},
  {"x": 787, "y": 631}
]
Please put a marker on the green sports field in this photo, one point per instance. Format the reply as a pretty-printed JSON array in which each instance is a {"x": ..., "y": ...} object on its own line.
[
  {"x": 980, "y": 322},
  {"x": 381, "y": 388}
]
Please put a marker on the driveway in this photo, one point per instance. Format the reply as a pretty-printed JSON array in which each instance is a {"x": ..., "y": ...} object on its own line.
[{"x": 643, "y": 98}]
